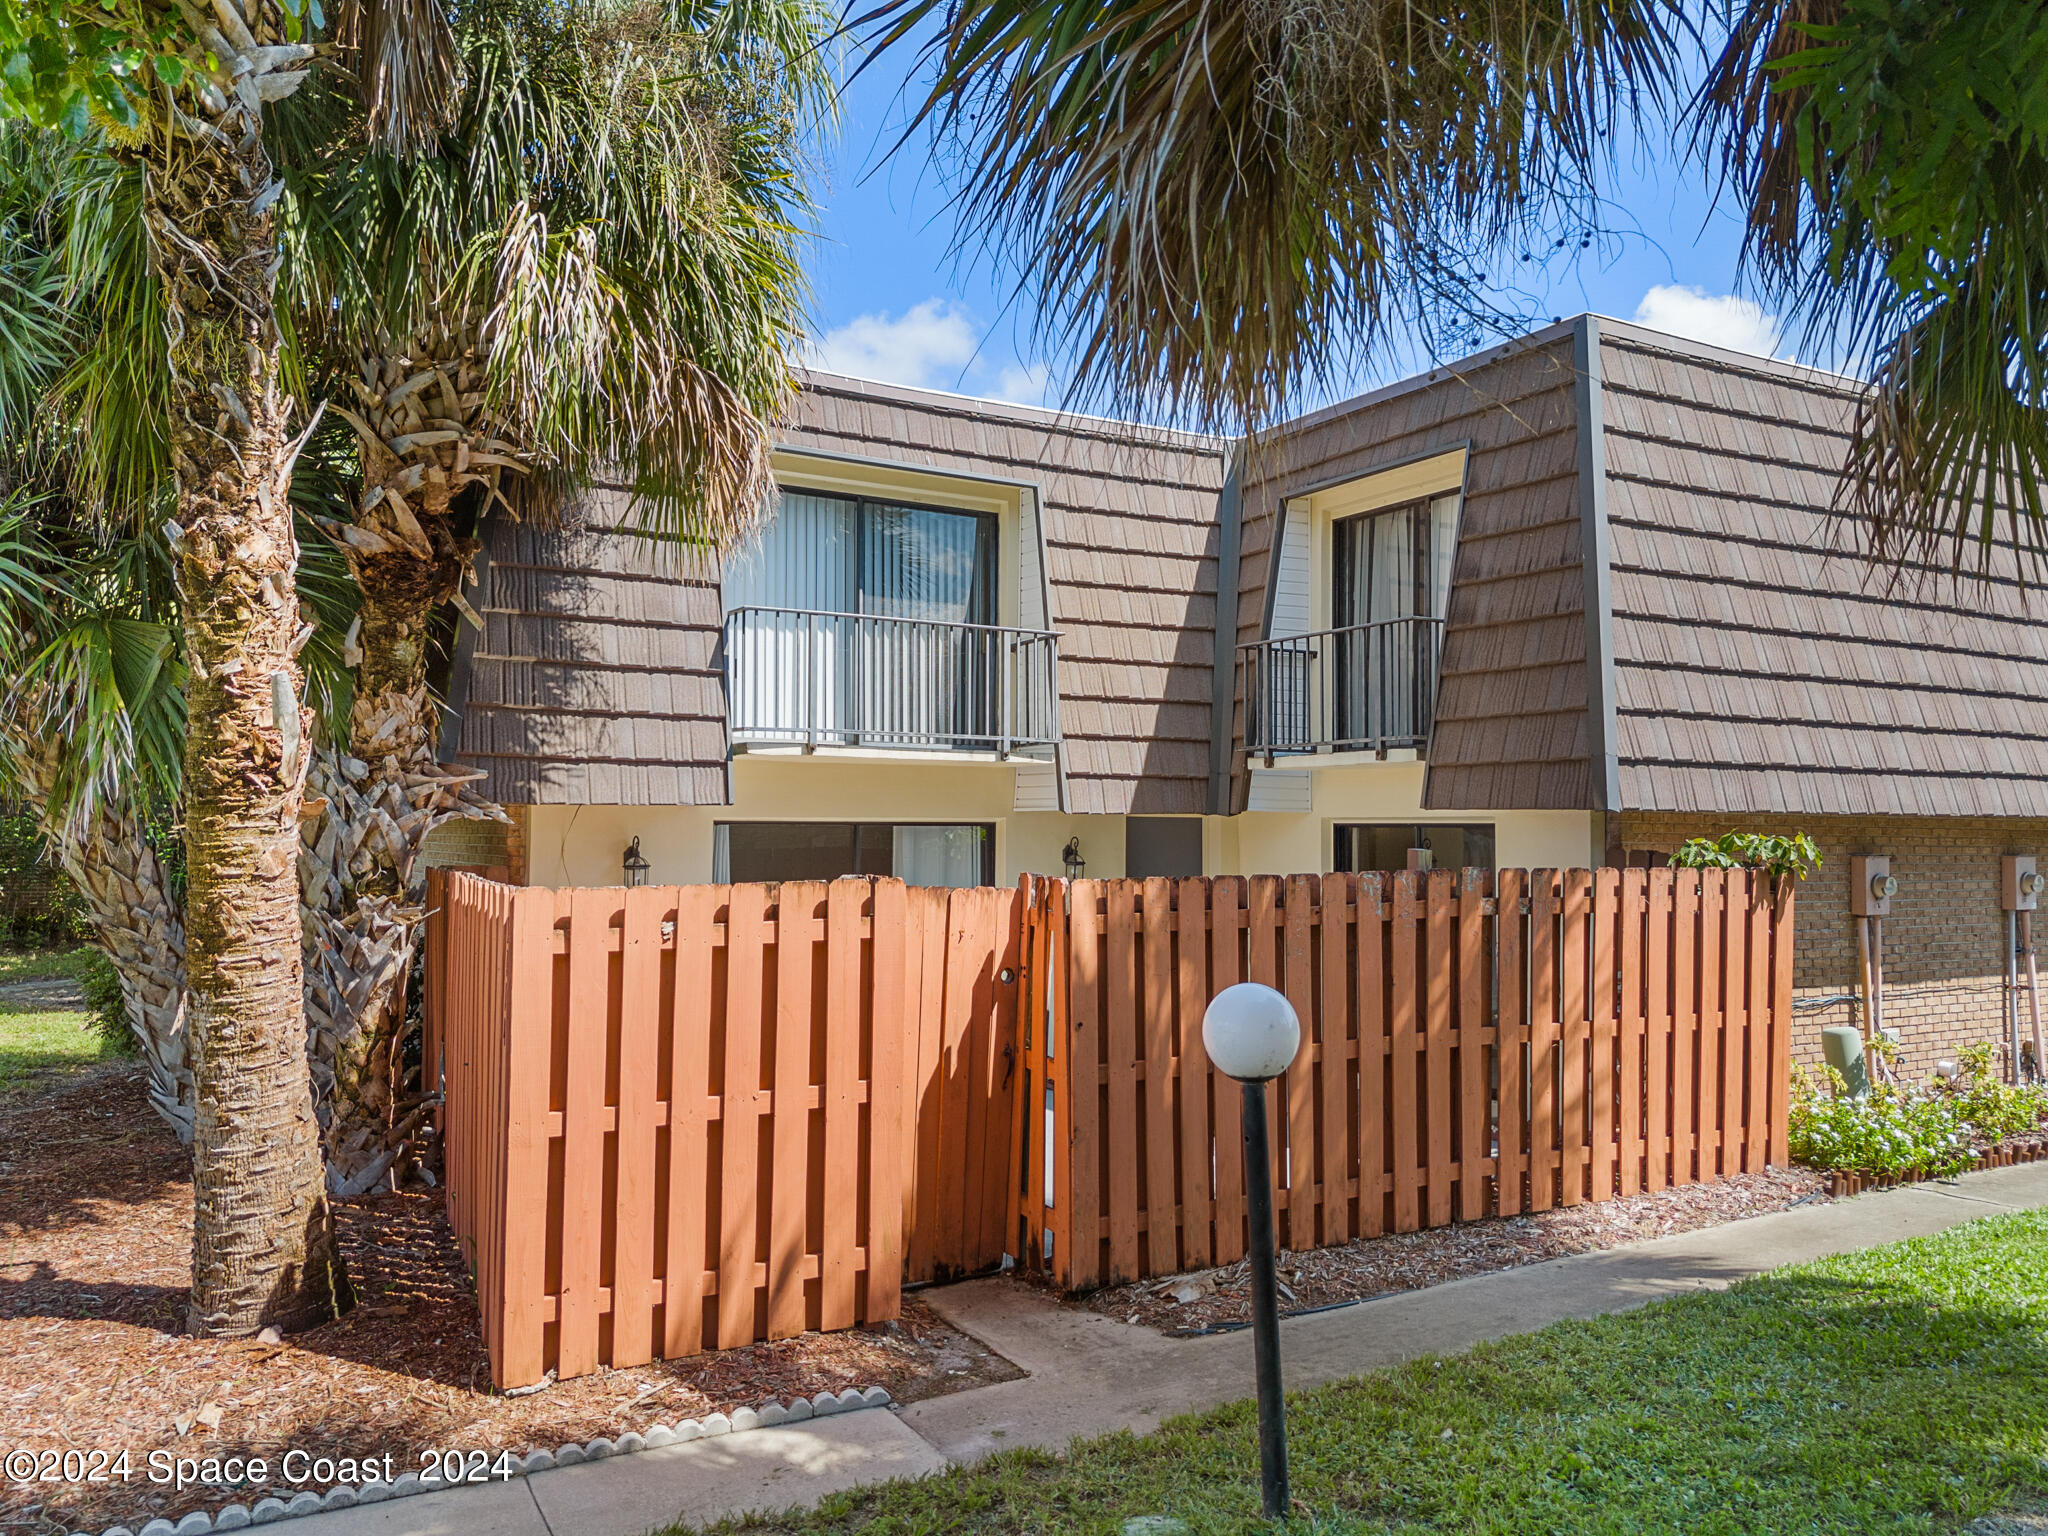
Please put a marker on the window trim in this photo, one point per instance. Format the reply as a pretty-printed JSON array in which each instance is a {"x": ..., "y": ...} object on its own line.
[
  {"x": 992, "y": 576},
  {"x": 1340, "y": 826}
]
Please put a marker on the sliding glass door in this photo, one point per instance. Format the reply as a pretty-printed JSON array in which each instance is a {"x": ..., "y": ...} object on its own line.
[
  {"x": 926, "y": 576},
  {"x": 862, "y": 623},
  {"x": 1391, "y": 578}
]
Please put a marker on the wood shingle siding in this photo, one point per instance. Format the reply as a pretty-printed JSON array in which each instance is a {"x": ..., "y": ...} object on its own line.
[
  {"x": 1760, "y": 664},
  {"x": 1511, "y": 712},
  {"x": 1131, "y": 535},
  {"x": 596, "y": 678}
]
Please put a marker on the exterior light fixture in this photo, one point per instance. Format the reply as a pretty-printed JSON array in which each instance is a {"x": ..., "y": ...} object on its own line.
[
  {"x": 1070, "y": 857},
  {"x": 1251, "y": 1033},
  {"x": 635, "y": 865}
]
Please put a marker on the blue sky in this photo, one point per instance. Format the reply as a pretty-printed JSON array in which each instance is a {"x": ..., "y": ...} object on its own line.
[{"x": 891, "y": 303}]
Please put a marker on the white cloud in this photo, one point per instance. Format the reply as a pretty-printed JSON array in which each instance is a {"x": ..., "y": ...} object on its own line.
[
  {"x": 1023, "y": 385},
  {"x": 926, "y": 347},
  {"x": 935, "y": 344},
  {"x": 1721, "y": 320}
]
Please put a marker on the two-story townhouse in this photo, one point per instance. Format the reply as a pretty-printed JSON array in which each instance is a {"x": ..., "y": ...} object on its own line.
[
  {"x": 972, "y": 641},
  {"x": 1570, "y": 601}
]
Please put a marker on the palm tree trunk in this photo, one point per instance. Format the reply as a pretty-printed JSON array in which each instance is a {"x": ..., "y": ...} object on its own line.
[
  {"x": 264, "y": 1246},
  {"x": 136, "y": 923},
  {"x": 360, "y": 877},
  {"x": 142, "y": 932}
]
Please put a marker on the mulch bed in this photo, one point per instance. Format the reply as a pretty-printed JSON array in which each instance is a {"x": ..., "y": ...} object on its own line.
[
  {"x": 95, "y": 1245},
  {"x": 1406, "y": 1261}
]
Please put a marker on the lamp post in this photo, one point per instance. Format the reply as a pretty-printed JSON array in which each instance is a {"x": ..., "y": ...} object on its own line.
[{"x": 1251, "y": 1033}]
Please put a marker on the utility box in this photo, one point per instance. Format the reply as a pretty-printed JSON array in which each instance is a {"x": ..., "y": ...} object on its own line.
[
  {"x": 2022, "y": 883},
  {"x": 1871, "y": 885}
]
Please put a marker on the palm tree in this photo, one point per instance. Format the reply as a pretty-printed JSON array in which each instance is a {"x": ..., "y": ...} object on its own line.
[
  {"x": 92, "y": 712},
  {"x": 593, "y": 272},
  {"x": 90, "y": 735},
  {"x": 184, "y": 95},
  {"x": 1895, "y": 187},
  {"x": 1215, "y": 201}
]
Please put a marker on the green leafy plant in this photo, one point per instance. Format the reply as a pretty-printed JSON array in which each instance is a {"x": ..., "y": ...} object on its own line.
[
  {"x": 1993, "y": 1109},
  {"x": 1932, "y": 1129},
  {"x": 1776, "y": 856},
  {"x": 106, "y": 1011}
]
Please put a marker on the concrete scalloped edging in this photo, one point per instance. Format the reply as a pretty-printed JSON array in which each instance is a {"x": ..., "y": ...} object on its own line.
[{"x": 268, "y": 1511}]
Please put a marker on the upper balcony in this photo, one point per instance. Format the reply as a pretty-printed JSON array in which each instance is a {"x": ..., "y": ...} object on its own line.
[
  {"x": 809, "y": 678},
  {"x": 1363, "y": 688}
]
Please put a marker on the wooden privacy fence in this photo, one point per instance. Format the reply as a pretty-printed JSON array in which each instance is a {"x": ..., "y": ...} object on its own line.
[
  {"x": 1472, "y": 1044},
  {"x": 690, "y": 1118},
  {"x": 682, "y": 1118}
]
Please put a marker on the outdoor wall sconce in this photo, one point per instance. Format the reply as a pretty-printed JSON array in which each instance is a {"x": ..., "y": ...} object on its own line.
[
  {"x": 1070, "y": 857},
  {"x": 636, "y": 866},
  {"x": 1251, "y": 1033}
]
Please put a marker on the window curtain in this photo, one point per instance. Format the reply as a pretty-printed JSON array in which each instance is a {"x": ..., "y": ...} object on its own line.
[
  {"x": 948, "y": 856},
  {"x": 792, "y": 666},
  {"x": 939, "y": 568},
  {"x": 1387, "y": 566}
]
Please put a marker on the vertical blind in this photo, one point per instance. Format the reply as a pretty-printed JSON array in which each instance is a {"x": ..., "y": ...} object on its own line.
[{"x": 849, "y": 679}]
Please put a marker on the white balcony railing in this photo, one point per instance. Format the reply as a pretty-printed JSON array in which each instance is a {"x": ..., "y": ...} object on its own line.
[
  {"x": 798, "y": 677},
  {"x": 1366, "y": 688}
]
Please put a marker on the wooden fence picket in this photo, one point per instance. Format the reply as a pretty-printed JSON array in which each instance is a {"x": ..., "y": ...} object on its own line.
[
  {"x": 688, "y": 1117},
  {"x": 1226, "y": 934}
]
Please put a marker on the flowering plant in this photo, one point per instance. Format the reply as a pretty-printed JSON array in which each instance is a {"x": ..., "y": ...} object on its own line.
[{"x": 1933, "y": 1129}]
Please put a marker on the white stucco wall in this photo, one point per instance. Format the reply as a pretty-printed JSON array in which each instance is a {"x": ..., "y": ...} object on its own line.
[{"x": 582, "y": 845}]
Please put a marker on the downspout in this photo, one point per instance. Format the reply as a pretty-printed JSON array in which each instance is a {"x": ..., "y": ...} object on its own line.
[
  {"x": 2033, "y": 991},
  {"x": 1223, "y": 685},
  {"x": 1602, "y": 762}
]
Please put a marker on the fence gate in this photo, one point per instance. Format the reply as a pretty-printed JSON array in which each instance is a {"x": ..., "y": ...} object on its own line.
[{"x": 959, "y": 1018}]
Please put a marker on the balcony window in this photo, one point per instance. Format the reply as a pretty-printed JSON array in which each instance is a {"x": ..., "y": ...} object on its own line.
[
  {"x": 857, "y": 622},
  {"x": 1368, "y": 683},
  {"x": 916, "y": 853}
]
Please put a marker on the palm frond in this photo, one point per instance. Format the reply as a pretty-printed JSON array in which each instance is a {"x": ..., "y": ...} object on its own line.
[
  {"x": 1212, "y": 202},
  {"x": 112, "y": 689},
  {"x": 402, "y": 56},
  {"x": 1891, "y": 159},
  {"x": 31, "y": 571},
  {"x": 639, "y": 167}
]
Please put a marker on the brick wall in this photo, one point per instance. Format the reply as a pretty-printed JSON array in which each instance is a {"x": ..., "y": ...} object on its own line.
[
  {"x": 466, "y": 842},
  {"x": 1944, "y": 944}
]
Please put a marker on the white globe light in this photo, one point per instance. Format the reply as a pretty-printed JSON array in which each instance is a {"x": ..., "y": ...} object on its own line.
[{"x": 1250, "y": 1031}]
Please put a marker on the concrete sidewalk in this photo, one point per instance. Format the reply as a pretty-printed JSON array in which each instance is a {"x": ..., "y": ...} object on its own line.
[{"x": 1089, "y": 1374}]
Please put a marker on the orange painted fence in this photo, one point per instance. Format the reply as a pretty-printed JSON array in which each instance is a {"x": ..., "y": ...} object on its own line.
[
  {"x": 689, "y": 1118},
  {"x": 1474, "y": 1043},
  {"x": 684, "y": 1118}
]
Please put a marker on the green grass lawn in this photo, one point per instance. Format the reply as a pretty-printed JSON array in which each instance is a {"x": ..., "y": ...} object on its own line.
[
  {"x": 1902, "y": 1388},
  {"x": 40, "y": 964},
  {"x": 36, "y": 1040}
]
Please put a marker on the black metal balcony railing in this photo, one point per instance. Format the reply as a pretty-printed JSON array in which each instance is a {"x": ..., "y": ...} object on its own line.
[
  {"x": 1366, "y": 688},
  {"x": 795, "y": 676}
]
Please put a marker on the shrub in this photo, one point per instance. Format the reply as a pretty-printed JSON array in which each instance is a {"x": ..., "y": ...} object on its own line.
[
  {"x": 1776, "y": 856},
  {"x": 106, "y": 1009},
  {"x": 38, "y": 903},
  {"x": 1935, "y": 1129},
  {"x": 1992, "y": 1109}
]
